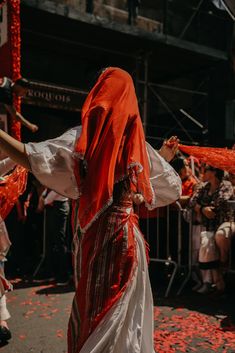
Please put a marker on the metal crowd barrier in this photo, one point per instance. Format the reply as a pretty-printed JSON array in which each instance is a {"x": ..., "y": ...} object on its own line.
[
  {"x": 167, "y": 242},
  {"x": 177, "y": 232}
]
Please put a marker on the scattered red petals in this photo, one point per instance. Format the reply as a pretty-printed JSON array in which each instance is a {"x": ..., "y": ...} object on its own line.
[
  {"x": 22, "y": 337},
  {"x": 60, "y": 333},
  {"x": 190, "y": 331}
]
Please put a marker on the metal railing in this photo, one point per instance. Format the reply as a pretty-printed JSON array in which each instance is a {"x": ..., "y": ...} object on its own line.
[{"x": 173, "y": 243}]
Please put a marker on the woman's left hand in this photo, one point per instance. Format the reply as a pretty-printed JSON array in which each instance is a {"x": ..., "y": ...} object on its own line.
[{"x": 169, "y": 148}]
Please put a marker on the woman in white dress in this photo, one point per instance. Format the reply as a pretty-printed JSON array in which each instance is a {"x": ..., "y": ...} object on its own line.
[{"x": 100, "y": 167}]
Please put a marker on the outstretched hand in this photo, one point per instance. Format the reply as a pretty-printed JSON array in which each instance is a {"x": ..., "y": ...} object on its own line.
[
  {"x": 33, "y": 127},
  {"x": 169, "y": 148}
]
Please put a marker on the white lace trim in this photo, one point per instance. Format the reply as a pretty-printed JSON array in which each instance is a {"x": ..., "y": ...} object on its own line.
[{"x": 97, "y": 215}]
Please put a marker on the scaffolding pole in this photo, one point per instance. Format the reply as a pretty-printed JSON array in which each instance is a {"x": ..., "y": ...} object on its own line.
[{"x": 145, "y": 108}]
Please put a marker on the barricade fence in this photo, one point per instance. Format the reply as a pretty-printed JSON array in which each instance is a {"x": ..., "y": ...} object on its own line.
[{"x": 175, "y": 241}]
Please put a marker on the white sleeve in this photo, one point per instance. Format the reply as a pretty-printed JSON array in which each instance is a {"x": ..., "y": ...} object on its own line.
[
  {"x": 6, "y": 165},
  {"x": 52, "y": 162},
  {"x": 165, "y": 182}
]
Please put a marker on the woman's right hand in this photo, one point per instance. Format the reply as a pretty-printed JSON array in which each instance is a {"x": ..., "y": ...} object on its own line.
[{"x": 33, "y": 127}]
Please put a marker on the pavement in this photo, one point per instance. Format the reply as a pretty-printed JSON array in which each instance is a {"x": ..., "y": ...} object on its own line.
[
  {"x": 185, "y": 323},
  {"x": 39, "y": 317}
]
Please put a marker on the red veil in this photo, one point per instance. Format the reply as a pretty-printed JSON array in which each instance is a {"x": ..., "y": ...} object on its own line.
[{"x": 111, "y": 145}]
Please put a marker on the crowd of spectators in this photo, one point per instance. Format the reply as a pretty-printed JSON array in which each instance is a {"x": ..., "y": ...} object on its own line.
[
  {"x": 207, "y": 193},
  {"x": 208, "y": 196}
]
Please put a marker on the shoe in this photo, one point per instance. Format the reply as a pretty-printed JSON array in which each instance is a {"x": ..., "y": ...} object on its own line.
[
  {"x": 205, "y": 288},
  {"x": 196, "y": 287},
  {"x": 5, "y": 334},
  {"x": 43, "y": 277},
  {"x": 62, "y": 282}
]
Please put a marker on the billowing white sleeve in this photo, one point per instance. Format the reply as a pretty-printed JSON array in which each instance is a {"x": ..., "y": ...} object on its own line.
[
  {"x": 165, "y": 182},
  {"x": 52, "y": 162},
  {"x": 6, "y": 165}
]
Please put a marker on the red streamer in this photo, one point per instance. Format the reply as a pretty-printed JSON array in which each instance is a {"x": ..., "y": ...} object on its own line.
[
  {"x": 11, "y": 188},
  {"x": 221, "y": 158},
  {"x": 10, "y": 58},
  {"x": 15, "y": 42}
]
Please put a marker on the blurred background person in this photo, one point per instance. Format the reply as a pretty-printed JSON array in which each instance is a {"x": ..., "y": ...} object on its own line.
[
  {"x": 56, "y": 262},
  {"x": 133, "y": 9},
  {"x": 189, "y": 181}
]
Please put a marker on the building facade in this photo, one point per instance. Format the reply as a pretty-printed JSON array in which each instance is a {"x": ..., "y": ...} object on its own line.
[{"x": 178, "y": 53}]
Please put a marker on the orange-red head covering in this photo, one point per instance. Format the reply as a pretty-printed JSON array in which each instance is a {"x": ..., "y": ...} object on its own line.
[{"x": 112, "y": 145}]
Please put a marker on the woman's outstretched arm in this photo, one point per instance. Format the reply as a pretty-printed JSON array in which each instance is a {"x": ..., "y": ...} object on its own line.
[{"x": 14, "y": 149}]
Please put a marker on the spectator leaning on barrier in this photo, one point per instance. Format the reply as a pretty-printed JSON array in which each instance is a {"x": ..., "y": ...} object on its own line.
[
  {"x": 189, "y": 182},
  {"x": 209, "y": 202}
]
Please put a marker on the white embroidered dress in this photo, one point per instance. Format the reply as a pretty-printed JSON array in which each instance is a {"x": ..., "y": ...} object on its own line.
[{"x": 128, "y": 325}]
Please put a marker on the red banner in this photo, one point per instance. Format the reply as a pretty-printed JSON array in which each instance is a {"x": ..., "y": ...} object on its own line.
[
  {"x": 10, "y": 48},
  {"x": 14, "y": 184}
]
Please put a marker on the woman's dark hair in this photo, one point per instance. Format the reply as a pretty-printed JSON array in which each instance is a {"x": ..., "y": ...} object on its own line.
[
  {"x": 178, "y": 164},
  {"x": 219, "y": 173}
]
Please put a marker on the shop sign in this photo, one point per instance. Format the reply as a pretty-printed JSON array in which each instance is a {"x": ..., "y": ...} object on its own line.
[{"x": 46, "y": 95}]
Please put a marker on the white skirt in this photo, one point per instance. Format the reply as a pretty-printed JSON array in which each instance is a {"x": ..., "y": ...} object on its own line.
[{"x": 128, "y": 326}]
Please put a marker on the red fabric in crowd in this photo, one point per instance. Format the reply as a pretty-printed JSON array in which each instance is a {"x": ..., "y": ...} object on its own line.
[
  {"x": 221, "y": 158},
  {"x": 11, "y": 188},
  {"x": 188, "y": 186}
]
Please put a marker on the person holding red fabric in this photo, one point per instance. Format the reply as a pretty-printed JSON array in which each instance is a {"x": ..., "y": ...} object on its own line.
[{"x": 100, "y": 166}]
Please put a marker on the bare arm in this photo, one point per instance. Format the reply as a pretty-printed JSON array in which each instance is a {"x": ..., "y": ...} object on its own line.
[
  {"x": 14, "y": 149},
  {"x": 19, "y": 117}
]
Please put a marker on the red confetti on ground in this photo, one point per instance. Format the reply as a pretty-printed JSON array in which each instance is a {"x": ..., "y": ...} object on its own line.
[
  {"x": 60, "y": 333},
  {"x": 189, "y": 331},
  {"x": 22, "y": 337}
]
